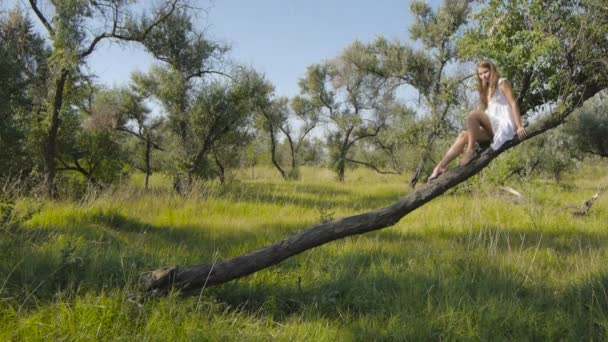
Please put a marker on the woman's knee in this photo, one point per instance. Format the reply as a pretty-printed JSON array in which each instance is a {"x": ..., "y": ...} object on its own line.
[
  {"x": 474, "y": 115},
  {"x": 463, "y": 136}
]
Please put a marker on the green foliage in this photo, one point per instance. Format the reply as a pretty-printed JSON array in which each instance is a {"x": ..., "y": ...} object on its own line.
[
  {"x": 278, "y": 118},
  {"x": 557, "y": 153},
  {"x": 209, "y": 124},
  {"x": 589, "y": 126},
  {"x": 551, "y": 154},
  {"x": 551, "y": 51},
  {"x": 24, "y": 70},
  {"x": 351, "y": 100},
  {"x": 431, "y": 73},
  {"x": 222, "y": 117},
  {"x": 88, "y": 144},
  {"x": 435, "y": 29},
  {"x": 177, "y": 42}
]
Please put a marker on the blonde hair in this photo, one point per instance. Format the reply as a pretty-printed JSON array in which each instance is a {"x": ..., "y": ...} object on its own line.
[{"x": 493, "y": 83}]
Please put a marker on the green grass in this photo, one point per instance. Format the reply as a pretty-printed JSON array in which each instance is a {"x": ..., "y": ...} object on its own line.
[{"x": 469, "y": 265}]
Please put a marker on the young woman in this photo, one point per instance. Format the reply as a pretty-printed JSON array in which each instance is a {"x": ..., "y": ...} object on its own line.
[{"x": 497, "y": 121}]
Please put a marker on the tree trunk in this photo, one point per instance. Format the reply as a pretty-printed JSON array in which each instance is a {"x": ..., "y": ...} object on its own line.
[
  {"x": 148, "y": 150},
  {"x": 418, "y": 172},
  {"x": 340, "y": 168},
  {"x": 189, "y": 279},
  {"x": 294, "y": 173},
  {"x": 273, "y": 154},
  {"x": 51, "y": 143},
  {"x": 346, "y": 144},
  {"x": 222, "y": 170}
]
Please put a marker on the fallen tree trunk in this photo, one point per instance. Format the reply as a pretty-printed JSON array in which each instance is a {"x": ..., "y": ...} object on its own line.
[{"x": 196, "y": 277}]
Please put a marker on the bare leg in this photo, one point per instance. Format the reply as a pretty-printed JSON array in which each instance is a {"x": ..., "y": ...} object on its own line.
[
  {"x": 480, "y": 130},
  {"x": 454, "y": 151}
]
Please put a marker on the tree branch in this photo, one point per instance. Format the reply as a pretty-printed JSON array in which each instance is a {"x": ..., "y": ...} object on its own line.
[
  {"x": 40, "y": 16},
  {"x": 365, "y": 135},
  {"x": 123, "y": 129},
  {"x": 371, "y": 166},
  {"x": 136, "y": 37},
  {"x": 203, "y": 72}
]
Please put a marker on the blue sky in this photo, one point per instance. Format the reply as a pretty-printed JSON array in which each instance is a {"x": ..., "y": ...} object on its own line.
[{"x": 277, "y": 37}]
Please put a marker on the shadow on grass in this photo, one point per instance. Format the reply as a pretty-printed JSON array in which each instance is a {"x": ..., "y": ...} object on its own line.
[
  {"x": 464, "y": 298},
  {"x": 108, "y": 250},
  {"x": 455, "y": 296},
  {"x": 326, "y": 196}
]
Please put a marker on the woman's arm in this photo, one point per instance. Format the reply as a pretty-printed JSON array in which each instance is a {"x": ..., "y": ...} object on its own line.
[{"x": 506, "y": 89}]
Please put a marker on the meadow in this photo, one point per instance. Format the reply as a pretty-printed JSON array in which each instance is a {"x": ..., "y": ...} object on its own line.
[{"x": 475, "y": 263}]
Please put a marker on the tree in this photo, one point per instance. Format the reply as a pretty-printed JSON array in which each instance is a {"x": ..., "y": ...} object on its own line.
[
  {"x": 87, "y": 141},
  {"x": 23, "y": 67},
  {"x": 582, "y": 75},
  {"x": 589, "y": 127},
  {"x": 352, "y": 102},
  {"x": 557, "y": 153},
  {"x": 425, "y": 71},
  {"x": 384, "y": 153},
  {"x": 223, "y": 117},
  {"x": 135, "y": 119},
  {"x": 279, "y": 117},
  {"x": 76, "y": 28},
  {"x": 186, "y": 78}
]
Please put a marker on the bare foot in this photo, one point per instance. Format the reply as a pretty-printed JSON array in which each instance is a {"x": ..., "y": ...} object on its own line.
[
  {"x": 467, "y": 156},
  {"x": 437, "y": 171}
]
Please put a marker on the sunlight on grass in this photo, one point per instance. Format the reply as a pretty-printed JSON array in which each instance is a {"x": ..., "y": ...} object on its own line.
[{"x": 478, "y": 264}]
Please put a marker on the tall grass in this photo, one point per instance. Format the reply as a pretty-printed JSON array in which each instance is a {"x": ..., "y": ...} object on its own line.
[{"x": 473, "y": 264}]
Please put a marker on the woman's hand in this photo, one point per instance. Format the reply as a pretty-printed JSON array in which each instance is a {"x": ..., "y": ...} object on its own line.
[{"x": 521, "y": 133}]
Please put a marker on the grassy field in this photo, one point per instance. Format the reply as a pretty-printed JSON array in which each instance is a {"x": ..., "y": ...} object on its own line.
[{"x": 472, "y": 264}]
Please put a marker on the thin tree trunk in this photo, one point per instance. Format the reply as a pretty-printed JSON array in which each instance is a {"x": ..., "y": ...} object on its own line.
[
  {"x": 273, "y": 153},
  {"x": 341, "y": 168},
  {"x": 148, "y": 150},
  {"x": 222, "y": 172},
  {"x": 293, "y": 174},
  {"x": 418, "y": 172},
  {"x": 51, "y": 143}
]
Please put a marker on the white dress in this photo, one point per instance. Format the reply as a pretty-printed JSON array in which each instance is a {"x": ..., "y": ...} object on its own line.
[{"x": 501, "y": 118}]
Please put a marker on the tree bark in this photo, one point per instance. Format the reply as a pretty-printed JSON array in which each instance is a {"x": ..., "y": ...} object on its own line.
[
  {"x": 222, "y": 170},
  {"x": 51, "y": 143},
  {"x": 341, "y": 167},
  {"x": 273, "y": 153},
  {"x": 188, "y": 279},
  {"x": 345, "y": 146},
  {"x": 148, "y": 151}
]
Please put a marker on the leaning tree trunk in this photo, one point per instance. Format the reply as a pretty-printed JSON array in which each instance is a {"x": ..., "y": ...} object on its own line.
[{"x": 191, "y": 278}]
